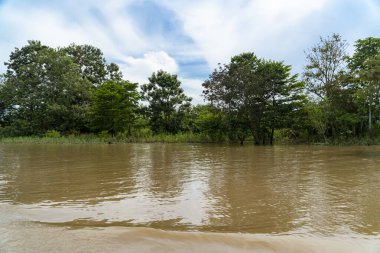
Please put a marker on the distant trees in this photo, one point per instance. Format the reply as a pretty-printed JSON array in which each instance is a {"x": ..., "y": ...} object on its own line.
[
  {"x": 74, "y": 90},
  {"x": 167, "y": 103}
]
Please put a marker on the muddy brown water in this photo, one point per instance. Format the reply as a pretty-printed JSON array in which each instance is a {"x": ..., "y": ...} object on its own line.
[{"x": 189, "y": 198}]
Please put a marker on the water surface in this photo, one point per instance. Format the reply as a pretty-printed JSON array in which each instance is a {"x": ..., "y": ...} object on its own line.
[{"x": 182, "y": 198}]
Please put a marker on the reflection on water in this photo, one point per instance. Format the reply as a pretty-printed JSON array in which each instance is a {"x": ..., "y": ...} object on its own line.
[{"x": 296, "y": 190}]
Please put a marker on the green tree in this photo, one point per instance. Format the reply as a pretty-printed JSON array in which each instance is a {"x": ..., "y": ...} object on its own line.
[
  {"x": 316, "y": 124},
  {"x": 325, "y": 64},
  {"x": 114, "y": 106},
  {"x": 255, "y": 94},
  {"x": 43, "y": 90},
  {"x": 235, "y": 89},
  {"x": 92, "y": 64},
  {"x": 286, "y": 96},
  {"x": 167, "y": 103},
  {"x": 361, "y": 67},
  {"x": 364, "y": 50},
  {"x": 323, "y": 72},
  {"x": 2, "y": 103},
  {"x": 210, "y": 121}
]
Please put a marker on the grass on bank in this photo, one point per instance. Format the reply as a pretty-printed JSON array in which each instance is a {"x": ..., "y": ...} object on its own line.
[
  {"x": 53, "y": 136},
  {"x": 56, "y": 137}
]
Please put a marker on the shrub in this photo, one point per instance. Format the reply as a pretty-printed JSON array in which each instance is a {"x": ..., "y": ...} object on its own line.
[{"x": 52, "y": 134}]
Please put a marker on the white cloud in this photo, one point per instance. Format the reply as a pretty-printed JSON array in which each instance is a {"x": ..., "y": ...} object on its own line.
[
  {"x": 274, "y": 29},
  {"x": 110, "y": 28},
  {"x": 193, "y": 88},
  {"x": 72, "y": 22},
  {"x": 139, "y": 69},
  {"x": 222, "y": 30}
]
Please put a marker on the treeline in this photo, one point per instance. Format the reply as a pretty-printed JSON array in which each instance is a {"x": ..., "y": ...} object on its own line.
[{"x": 73, "y": 91}]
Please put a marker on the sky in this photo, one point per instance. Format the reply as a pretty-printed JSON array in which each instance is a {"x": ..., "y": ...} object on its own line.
[{"x": 186, "y": 37}]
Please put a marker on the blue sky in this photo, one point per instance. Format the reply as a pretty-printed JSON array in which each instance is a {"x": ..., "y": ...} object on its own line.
[{"x": 186, "y": 37}]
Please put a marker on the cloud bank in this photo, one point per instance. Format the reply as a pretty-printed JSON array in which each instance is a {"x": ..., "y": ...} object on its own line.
[{"x": 187, "y": 38}]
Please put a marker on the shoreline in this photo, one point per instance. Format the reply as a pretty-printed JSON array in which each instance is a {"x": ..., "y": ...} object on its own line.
[{"x": 178, "y": 138}]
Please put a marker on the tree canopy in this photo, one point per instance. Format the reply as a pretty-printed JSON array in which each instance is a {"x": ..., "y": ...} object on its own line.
[
  {"x": 92, "y": 65},
  {"x": 43, "y": 90},
  {"x": 167, "y": 103},
  {"x": 114, "y": 106},
  {"x": 256, "y": 94}
]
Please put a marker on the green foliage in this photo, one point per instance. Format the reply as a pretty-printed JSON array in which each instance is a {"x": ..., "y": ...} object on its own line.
[
  {"x": 167, "y": 103},
  {"x": 103, "y": 134},
  {"x": 43, "y": 90},
  {"x": 364, "y": 49},
  {"x": 113, "y": 107},
  {"x": 52, "y": 134},
  {"x": 49, "y": 89},
  {"x": 210, "y": 121},
  {"x": 92, "y": 65},
  {"x": 365, "y": 74},
  {"x": 326, "y": 77},
  {"x": 317, "y": 120},
  {"x": 3, "y": 111},
  {"x": 325, "y": 65},
  {"x": 256, "y": 95},
  {"x": 72, "y": 95}
]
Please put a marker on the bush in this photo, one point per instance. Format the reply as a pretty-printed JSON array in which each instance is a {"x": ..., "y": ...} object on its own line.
[
  {"x": 53, "y": 134},
  {"x": 103, "y": 135}
]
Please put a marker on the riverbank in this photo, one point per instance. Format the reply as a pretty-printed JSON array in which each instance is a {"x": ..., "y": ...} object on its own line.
[
  {"x": 168, "y": 138},
  {"x": 98, "y": 139}
]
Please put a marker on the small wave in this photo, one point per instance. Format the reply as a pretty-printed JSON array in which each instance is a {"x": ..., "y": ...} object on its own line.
[{"x": 43, "y": 238}]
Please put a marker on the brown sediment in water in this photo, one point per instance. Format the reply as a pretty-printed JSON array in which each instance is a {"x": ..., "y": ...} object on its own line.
[{"x": 131, "y": 198}]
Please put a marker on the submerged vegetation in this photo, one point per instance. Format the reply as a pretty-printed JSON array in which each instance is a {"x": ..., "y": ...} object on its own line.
[{"x": 72, "y": 95}]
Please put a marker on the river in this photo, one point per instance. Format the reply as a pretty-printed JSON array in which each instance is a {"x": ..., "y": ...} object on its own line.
[{"x": 188, "y": 198}]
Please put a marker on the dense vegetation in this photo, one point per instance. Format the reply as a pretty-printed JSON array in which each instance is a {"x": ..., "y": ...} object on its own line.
[{"x": 73, "y": 91}]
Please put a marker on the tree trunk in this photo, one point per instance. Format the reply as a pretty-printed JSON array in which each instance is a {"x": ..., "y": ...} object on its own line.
[
  {"x": 333, "y": 131},
  {"x": 369, "y": 122},
  {"x": 271, "y": 136}
]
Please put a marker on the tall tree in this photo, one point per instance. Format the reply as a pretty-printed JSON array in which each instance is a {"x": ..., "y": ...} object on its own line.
[
  {"x": 2, "y": 103},
  {"x": 325, "y": 64},
  {"x": 285, "y": 96},
  {"x": 367, "y": 89},
  {"x": 114, "y": 106},
  {"x": 323, "y": 72},
  {"x": 167, "y": 102},
  {"x": 256, "y": 94},
  {"x": 235, "y": 88},
  {"x": 92, "y": 64}
]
